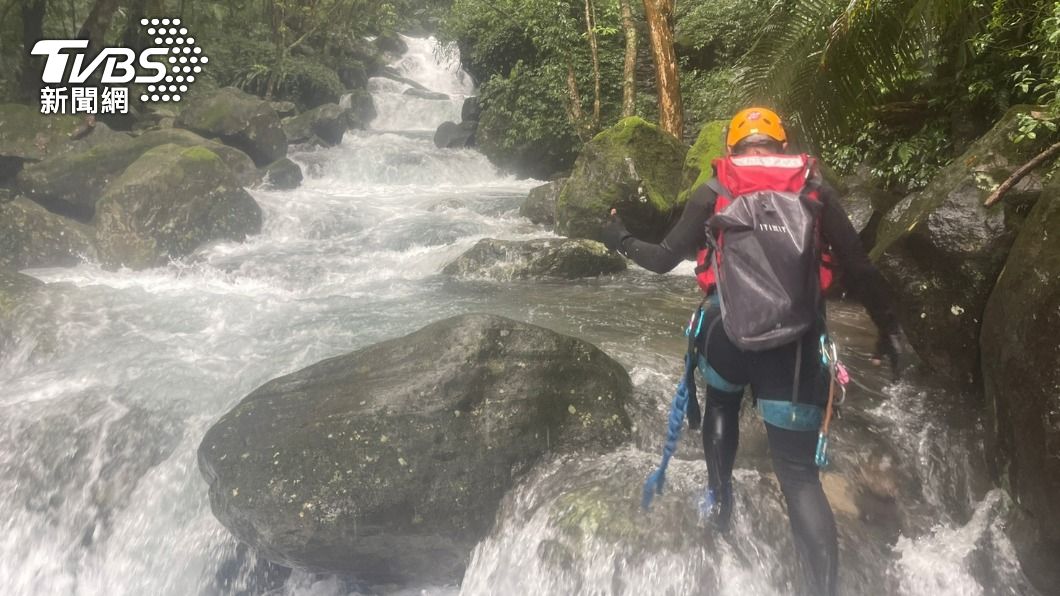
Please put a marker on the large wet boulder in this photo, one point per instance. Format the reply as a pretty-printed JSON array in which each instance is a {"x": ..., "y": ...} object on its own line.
[
  {"x": 709, "y": 145},
  {"x": 1021, "y": 369},
  {"x": 451, "y": 135},
  {"x": 327, "y": 123},
  {"x": 546, "y": 257},
  {"x": 32, "y": 236},
  {"x": 238, "y": 119},
  {"x": 635, "y": 167},
  {"x": 72, "y": 183},
  {"x": 540, "y": 204},
  {"x": 168, "y": 203},
  {"x": 389, "y": 463},
  {"x": 942, "y": 250}
]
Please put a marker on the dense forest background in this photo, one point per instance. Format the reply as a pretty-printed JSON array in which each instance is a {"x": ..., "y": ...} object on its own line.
[{"x": 897, "y": 86}]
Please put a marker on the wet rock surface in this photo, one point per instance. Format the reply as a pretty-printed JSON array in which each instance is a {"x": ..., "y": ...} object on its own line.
[
  {"x": 942, "y": 250},
  {"x": 543, "y": 258},
  {"x": 168, "y": 203},
  {"x": 389, "y": 463}
]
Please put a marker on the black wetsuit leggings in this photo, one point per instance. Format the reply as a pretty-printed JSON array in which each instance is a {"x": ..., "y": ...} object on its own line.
[{"x": 771, "y": 375}]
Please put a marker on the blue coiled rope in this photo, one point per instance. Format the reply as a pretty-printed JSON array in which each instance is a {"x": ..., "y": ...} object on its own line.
[{"x": 686, "y": 391}]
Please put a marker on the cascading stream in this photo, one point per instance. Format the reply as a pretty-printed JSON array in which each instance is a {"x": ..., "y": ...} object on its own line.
[{"x": 116, "y": 376}]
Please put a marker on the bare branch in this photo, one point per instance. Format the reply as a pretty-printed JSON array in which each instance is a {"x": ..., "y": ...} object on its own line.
[{"x": 1018, "y": 175}]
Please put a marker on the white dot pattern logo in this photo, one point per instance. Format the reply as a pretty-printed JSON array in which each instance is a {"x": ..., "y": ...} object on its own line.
[{"x": 169, "y": 34}]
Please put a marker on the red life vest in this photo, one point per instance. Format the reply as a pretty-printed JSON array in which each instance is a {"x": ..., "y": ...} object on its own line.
[{"x": 736, "y": 175}]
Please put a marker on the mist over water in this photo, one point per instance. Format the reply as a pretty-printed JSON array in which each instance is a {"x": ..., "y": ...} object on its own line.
[{"x": 115, "y": 376}]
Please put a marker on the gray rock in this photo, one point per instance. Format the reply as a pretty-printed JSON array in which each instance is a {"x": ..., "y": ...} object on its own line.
[
  {"x": 284, "y": 108},
  {"x": 72, "y": 183},
  {"x": 425, "y": 94},
  {"x": 168, "y": 203},
  {"x": 238, "y": 119},
  {"x": 942, "y": 250},
  {"x": 327, "y": 122},
  {"x": 391, "y": 44},
  {"x": 362, "y": 108},
  {"x": 32, "y": 236},
  {"x": 353, "y": 76},
  {"x": 470, "y": 110},
  {"x": 540, "y": 204},
  {"x": 28, "y": 135},
  {"x": 389, "y": 463},
  {"x": 634, "y": 167},
  {"x": 283, "y": 173},
  {"x": 451, "y": 135},
  {"x": 18, "y": 292},
  {"x": 547, "y": 257},
  {"x": 1021, "y": 368}
]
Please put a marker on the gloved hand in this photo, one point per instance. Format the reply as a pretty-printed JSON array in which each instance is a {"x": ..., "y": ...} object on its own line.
[
  {"x": 614, "y": 233},
  {"x": 888, "y": 345}
]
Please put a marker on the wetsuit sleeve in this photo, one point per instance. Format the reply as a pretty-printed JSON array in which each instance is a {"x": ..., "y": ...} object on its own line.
[
  {"x": 860, "y": 277},
  {"x": 683, "y": 241}
]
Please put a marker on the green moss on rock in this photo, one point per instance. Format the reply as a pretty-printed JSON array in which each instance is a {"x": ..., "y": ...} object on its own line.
[
  {"x": 709, "y": 145},
  {"x": 31, "y": 236},
  {"x": 634, "y": 167},
  {"x": 72, "y": 183},
  {"x": 169, "y": 202}
]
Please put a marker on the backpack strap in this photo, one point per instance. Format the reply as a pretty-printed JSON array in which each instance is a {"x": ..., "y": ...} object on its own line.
[{"x": 719, "y": 188}]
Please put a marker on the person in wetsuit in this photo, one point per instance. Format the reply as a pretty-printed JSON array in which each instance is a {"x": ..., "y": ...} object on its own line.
[{"x": 774, "y": 375}]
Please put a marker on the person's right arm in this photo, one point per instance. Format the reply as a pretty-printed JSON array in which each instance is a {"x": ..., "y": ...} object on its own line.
[{"x": 682, "y": 242}]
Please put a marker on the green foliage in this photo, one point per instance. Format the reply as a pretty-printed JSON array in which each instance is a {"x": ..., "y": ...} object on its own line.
[
  {"x": 520, "y": 128},
  {"x": 716, "y": 33},
  {"x": 709, "y": 95},
  {"x": 897, "y": 158},
  {"x": 491, "y": 42}
]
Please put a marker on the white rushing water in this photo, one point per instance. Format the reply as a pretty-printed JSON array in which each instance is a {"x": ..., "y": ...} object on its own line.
[{"x": 117, "y": 375}]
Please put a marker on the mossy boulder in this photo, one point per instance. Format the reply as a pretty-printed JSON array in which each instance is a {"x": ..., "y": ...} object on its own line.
[
  {"x": 168, "y": 203},
  {"x": 942, "y": 250},
  {"x": 634, "y": 167},
  {"x": 238, "y": 119},
  {"x": 709, "y": 145},
  {"x": 72, "y": 183},
  {"x": 28, "y": 135},
  {"x": 284, "y": 174},
  {"x": 389, "y": 463},
  {"x": 540, "y": 204},
  {"x": 1021, "y": 368},
  {"x": 327, "y": 123},
  {"x": 32, "y": 236},
  {"x": 546, "y": 257}
]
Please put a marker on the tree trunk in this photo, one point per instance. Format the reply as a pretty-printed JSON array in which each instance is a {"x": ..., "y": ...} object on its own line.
[
  {"x": 574, "y": 103},
  {"x": 97, "y": 23},
  {"x": 629, "y": 68},
  {"x": 32, "y": 32},
  {"x": 135, "y": 35},
  {"x": 590, "y": 28},
  {"x": 659, "y": 13}
]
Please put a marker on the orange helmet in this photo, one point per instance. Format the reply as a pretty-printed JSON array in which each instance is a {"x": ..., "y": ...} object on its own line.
[{"x": 755, "y": 121}]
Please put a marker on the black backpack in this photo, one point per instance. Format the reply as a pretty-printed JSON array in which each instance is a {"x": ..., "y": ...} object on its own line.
[{"x": 766, "y": 250}]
